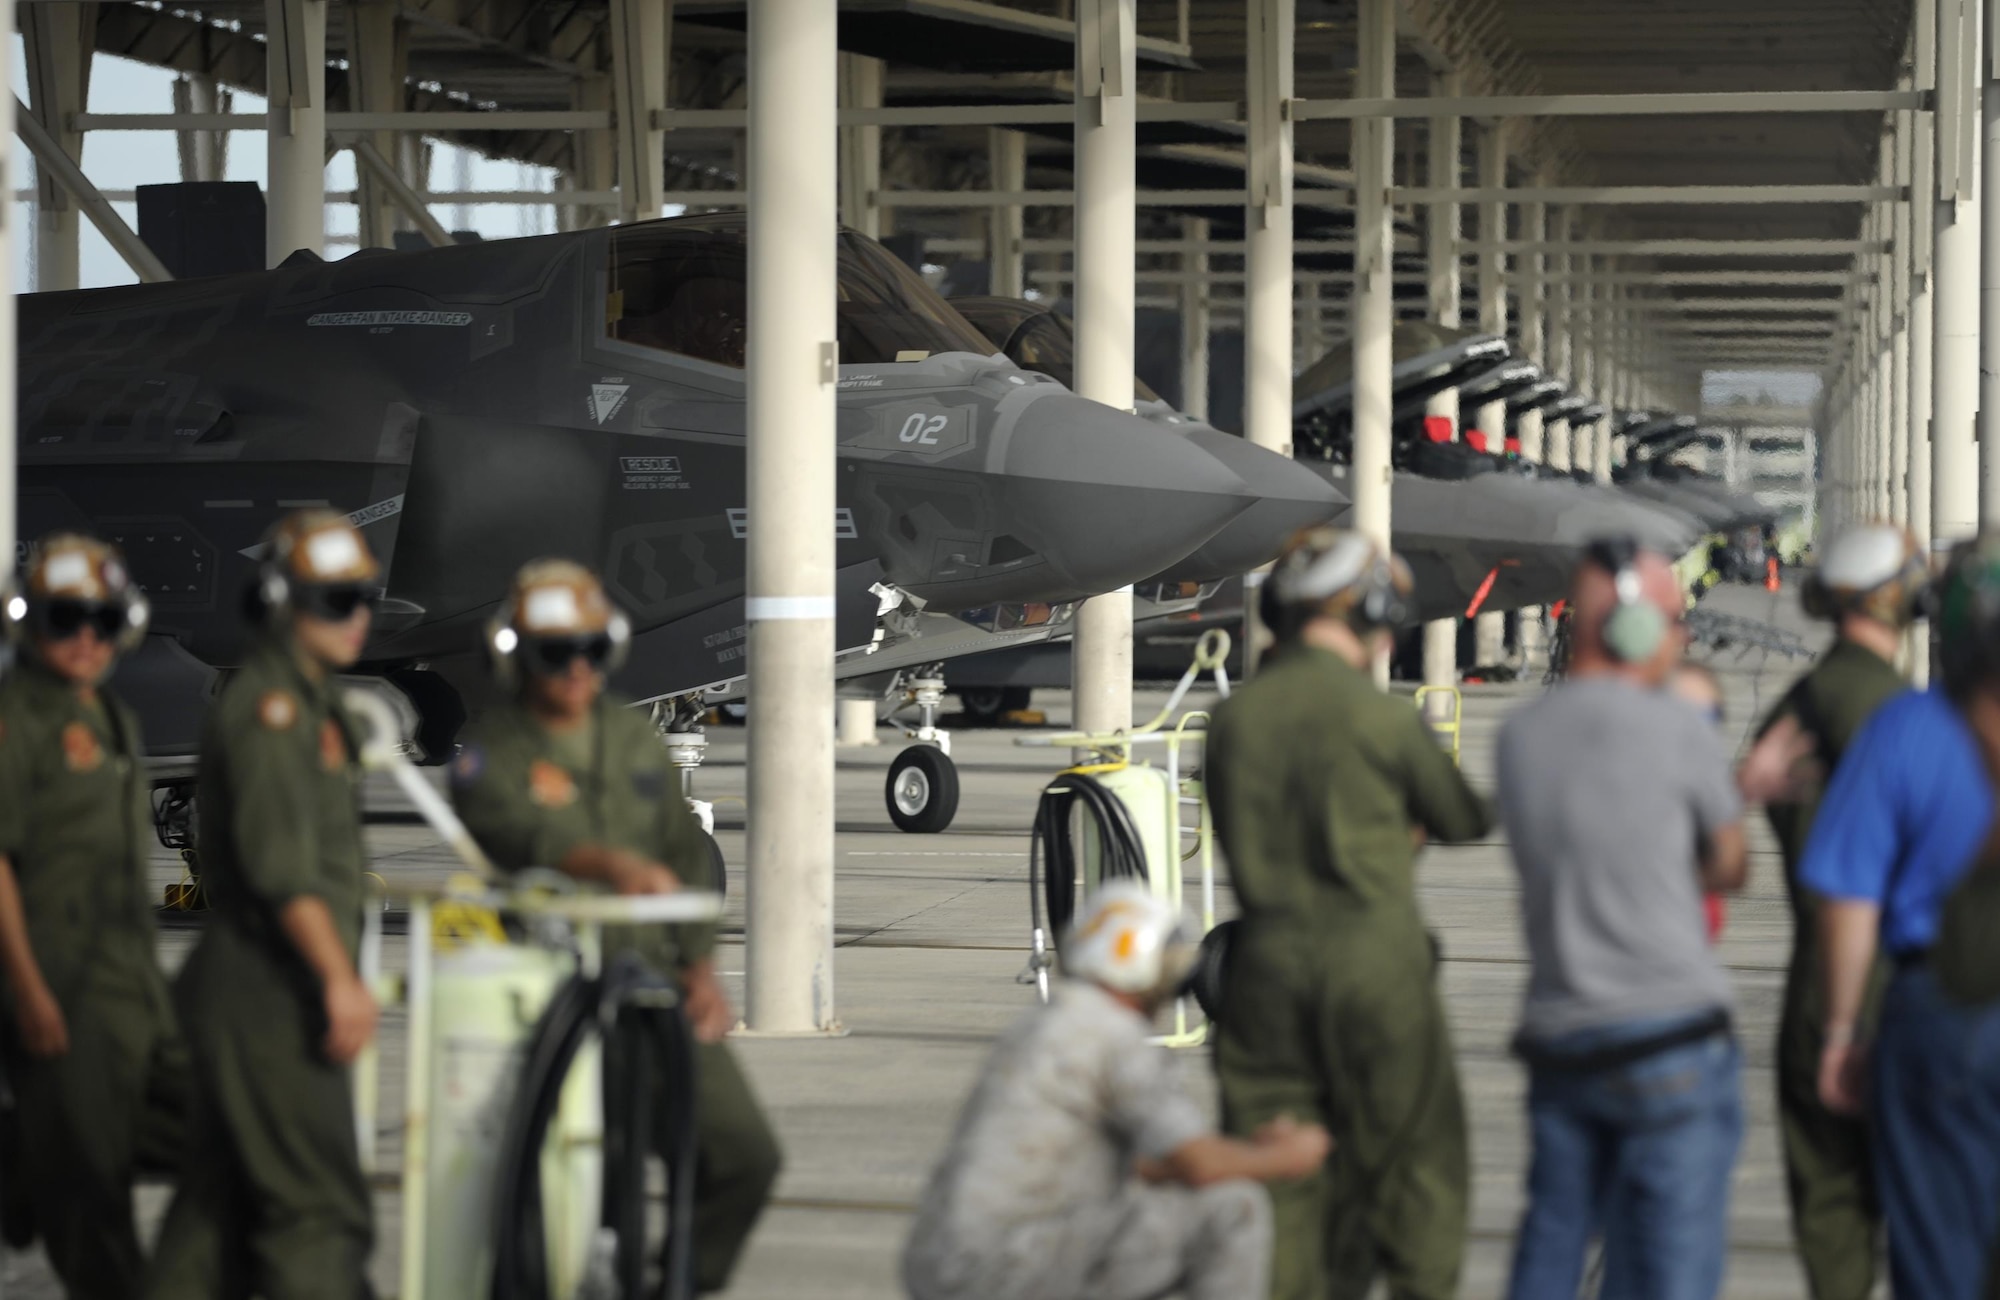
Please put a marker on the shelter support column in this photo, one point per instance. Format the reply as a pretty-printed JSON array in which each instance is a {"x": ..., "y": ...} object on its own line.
[
  {"x": 1267, "y": 253},
  {"x": 792, "y": 370},
  {"x": 1489, "y": 627},
  {"x": 1957, "y": 267},
  {"x": 378, "y": 66},
  {"x": 58, "y": 40},
  {"x": 203, "y": 154},
  {"x": 1529, "y": 631},
  {"x": 1442, "y": 229},
  {"x": 1374, "y": 291},
  {"x": 1557, "y": 442},
  {"x": 1106, "y": 260},
  {"x": 1923, "y": 186},
  {"x": 861, "y": 80},
  {"x": 1194, "y": 317},
  {"x": 1895, "y": 274},
  {"x": 640, "y": 31},
  {"x": 9, "y": 232},
  {"x": 1007, "y": 170},
  {"x": 295, "y": 134}
]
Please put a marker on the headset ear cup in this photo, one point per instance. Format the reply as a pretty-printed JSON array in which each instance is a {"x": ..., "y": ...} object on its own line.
[
  {"x": 1634, "y": 632},
  {"x": 1814, "y": 598},
  {"x": 619, "y": 629}
]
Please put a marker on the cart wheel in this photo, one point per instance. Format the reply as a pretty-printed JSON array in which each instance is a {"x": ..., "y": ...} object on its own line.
[{"x": 922, "y": 790}]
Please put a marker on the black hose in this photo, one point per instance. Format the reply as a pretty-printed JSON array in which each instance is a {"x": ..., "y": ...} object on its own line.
[
  {"x": 647, "y": 1043},
  {"x": 1121, "y": 853}
]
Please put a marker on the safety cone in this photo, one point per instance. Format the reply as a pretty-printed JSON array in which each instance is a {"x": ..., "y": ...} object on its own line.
[{"x": 1770, "y": 573}]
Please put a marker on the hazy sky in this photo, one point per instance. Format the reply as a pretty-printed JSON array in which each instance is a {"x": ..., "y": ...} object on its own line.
[{"x": 122, "y": 160}]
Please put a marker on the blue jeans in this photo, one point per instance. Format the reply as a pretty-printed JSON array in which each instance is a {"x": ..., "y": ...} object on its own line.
[
  {"x": 1640, "y": 1152},
  {"x": 1936, "y": 1130}
]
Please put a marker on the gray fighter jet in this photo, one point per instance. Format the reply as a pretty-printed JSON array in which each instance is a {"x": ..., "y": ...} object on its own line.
[
  {"x": 1037, "y": 337},
  {"x": 582, "y": 395},
  {"x": 1479, "y": 534},
  {"x": 1649, "y": 471}
]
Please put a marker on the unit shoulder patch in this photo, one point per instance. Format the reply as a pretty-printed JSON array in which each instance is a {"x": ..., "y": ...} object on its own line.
[
  {"x": 277, "y": 710},
  {"x": 81, "y": 752},
  {"x": 549, "y": 785}
]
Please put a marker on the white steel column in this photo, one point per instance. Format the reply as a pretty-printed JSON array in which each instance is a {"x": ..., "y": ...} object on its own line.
[
  {"x": 378, "y": 57},
  {"x": 1956, "y": 259},
  {"x": 640, "y": 31},
  {"x": 1528, "y": 627},
  {"x": 861, "y": 153},
  {"x": 59, "y": 40},
  {"x": 1556, "y": 439},
  {"x": 1267, "y": 225},
  {"x": 295, "y": 133},
  {"x": 1007, "y": 170},
  {"x": 1987, "y": 63},
  {"x": 1489, "y": 628},
  {"x": 1534, "y": 231},
  {"x": 1604, "y": 328},
  {"x": 9, "y": 536},
  {"x": 792, "y": 369},
  {"x": 1443, "y": 226},
  {"x": 1583, "y": 359},
  {"x": 1374, "y": 304},
  {"x": 1194, "y": 318},
  {"x": 1106, "y": 259},
  {"x": 1923, "y": 183},
  {"x": 1896, "y": 274}
]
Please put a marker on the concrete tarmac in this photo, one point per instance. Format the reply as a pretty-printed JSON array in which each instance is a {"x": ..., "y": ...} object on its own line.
[{"x": 933, "y": 932}]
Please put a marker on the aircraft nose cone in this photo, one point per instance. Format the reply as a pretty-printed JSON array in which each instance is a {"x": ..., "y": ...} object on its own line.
[
  {"x": 1107, "y": 497},
  {"x": 1288, "y": 497}
]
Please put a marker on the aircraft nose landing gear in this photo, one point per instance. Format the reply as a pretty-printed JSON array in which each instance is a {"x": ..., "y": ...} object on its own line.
[{"x": 922, "y": 790}]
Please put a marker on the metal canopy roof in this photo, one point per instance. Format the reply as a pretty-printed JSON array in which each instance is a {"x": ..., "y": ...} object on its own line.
[{"x": 547, "y": 55}]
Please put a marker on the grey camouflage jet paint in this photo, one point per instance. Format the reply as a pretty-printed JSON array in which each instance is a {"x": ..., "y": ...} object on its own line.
[{"x": 579, "y": 395}]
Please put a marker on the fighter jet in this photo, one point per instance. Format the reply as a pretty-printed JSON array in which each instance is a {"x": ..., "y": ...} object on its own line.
[
  {"x": 1477, "y": 537},
  {"x": 580, "y": 394},
  {"x": 1037, "y": 337},
  {"x": 1649, "y": 471}
]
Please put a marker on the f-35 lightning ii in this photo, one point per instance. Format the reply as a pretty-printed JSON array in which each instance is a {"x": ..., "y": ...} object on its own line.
[{"x": 581, "y": 395}]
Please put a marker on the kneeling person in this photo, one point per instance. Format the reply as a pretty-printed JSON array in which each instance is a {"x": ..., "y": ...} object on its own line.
[
  {"x": 1081, "y": 1167},
  {"x": 563, "y": 776}
]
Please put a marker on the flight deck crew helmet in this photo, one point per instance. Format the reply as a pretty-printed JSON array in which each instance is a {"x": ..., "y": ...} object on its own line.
[
  {"x": 1635, "y": 626},
  {"x": 1968, "y": 614},
  {"x": 1336, "y": 573},
  {"x": 556, "y": 612},
  {"x": 70, "y": 583},
  {"x": 1129, "y": 941},
  {"x": 1876, "y": 569},
  {"x": 314, "y": 562}
]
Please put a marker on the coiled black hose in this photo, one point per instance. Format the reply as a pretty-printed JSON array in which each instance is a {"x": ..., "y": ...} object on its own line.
[
  {"x": 645, "y": 1031},
  {"x": 1121, "y": 853}
]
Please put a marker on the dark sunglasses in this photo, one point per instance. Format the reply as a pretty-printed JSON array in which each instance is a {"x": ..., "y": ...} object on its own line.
[
  {"x": 551, "y": 655},
  {"x": 336, "y": 602},
  {"x": 60, "y": 620}
]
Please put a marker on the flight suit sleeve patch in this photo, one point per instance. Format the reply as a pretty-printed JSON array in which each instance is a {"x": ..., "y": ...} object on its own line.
[
  {"x": 277, "y": 710},
  {"x": 81, "y": 751},
  {"x": 549, "y": 785},
  {"x": 468, "y": 766}
]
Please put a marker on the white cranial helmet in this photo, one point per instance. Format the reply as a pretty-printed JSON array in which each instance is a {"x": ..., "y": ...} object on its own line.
[{"x": 1129, "y": 941}]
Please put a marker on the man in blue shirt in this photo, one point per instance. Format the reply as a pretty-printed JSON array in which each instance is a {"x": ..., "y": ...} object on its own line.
[{"x": 1904, "y": 819}]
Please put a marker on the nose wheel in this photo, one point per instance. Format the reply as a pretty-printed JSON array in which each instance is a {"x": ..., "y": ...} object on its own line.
[{"x": 922, "y": 790}]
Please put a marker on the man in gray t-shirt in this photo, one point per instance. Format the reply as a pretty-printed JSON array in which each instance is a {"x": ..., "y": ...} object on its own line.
[
  {"x": 1611, "y": 790},
  {"x": 1620, "y": 811}
]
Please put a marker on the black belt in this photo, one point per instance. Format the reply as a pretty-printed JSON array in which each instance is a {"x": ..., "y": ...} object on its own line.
[{"x": 1618, "y": 1055}]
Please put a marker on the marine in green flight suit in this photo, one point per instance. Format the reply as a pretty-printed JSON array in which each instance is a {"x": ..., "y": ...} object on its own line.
[
  {"x": 91, "y": 1052},
  {"x": 1322, "y": 789},
  {"x": 563, "y": 776},
  {"x": 1867, "y": 584},
  {"x": 273, "y": 1202}
]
